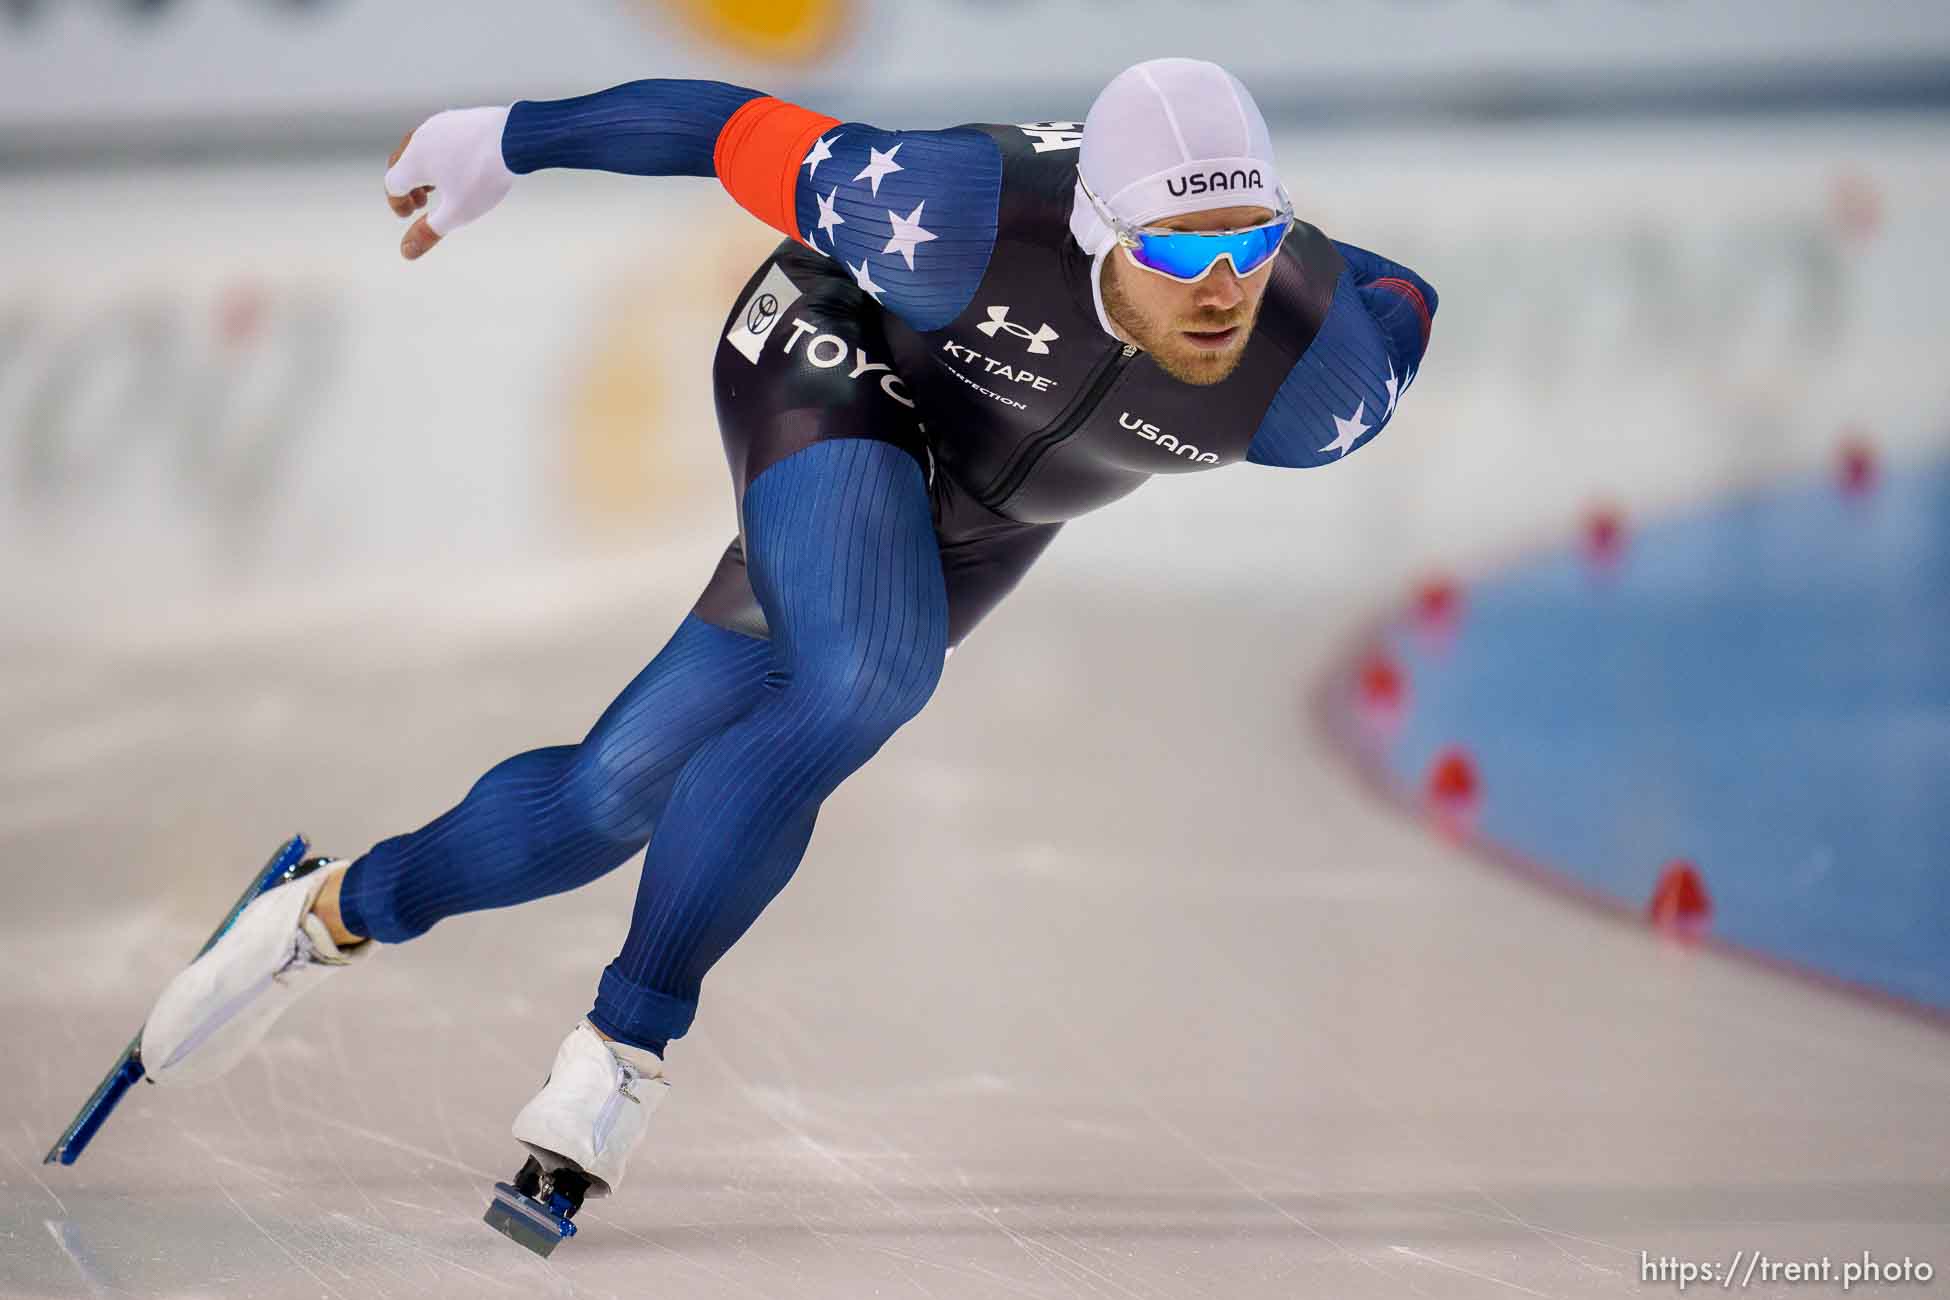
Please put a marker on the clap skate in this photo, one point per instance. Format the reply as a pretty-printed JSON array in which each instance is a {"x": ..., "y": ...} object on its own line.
[
  {"x": 205, "y": 1018},
  {"x": 579, "y": 1131}
]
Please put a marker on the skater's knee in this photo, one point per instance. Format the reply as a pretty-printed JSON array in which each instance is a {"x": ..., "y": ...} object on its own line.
[
  {"x": 863, "y": 693},
  {"x": 617, "y": 788}
]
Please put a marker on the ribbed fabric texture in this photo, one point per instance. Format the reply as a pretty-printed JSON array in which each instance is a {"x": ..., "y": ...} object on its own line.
[
  {"x": 942, "y": 188},
  {"x": 841, "y": 550},
  {"x": 1369, "y": 334},
  {"x": 1401, "y": 302},
  {"x": 641, "y": 128},
  {"x": 723, "y": 746},
  {"x": 552, "y": 819}
]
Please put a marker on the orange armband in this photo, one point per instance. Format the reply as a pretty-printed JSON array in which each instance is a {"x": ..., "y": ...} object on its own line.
[{"x": 758, "y": 155}]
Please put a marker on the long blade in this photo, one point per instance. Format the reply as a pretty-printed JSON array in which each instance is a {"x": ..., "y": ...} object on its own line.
[{"x": 127, "y": 1070}]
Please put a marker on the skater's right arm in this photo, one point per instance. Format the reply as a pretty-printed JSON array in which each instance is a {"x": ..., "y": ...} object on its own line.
[
  {"x": 912, "y": 214},
  {"x": 472, "y": 155}
]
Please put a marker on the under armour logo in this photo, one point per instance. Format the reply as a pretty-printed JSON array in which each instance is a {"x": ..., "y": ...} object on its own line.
[{"x": 1038, "y": 340}]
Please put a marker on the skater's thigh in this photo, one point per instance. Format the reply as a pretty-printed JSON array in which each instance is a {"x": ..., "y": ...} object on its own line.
[
  {"x": 804, "y": 362},
  {"x": 703, "y": 679},
  {"x": 840, "y": 546}
]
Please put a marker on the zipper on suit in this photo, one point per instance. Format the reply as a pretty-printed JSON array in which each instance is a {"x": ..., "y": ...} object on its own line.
[{"x": 1032, "y": 450}]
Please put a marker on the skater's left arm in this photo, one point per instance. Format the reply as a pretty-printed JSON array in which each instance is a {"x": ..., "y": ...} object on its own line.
[{"x": 1345, "y": 388}]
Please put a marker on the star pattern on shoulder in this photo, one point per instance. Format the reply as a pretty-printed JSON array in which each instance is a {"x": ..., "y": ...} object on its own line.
[
  {"x": 864, "y": 278},
  {"x": 1395, "y": 387},
  {"x": 1347, "y": 432},
  {"x": 907, "y": 233},
  {"x": 878, "y": 165},
  {"x": 821, "y": 151},
  {"x": 829, "y": 214}
]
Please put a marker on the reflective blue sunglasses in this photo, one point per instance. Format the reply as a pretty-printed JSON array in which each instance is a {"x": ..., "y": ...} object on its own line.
[{"x": 1188, "y": 256}]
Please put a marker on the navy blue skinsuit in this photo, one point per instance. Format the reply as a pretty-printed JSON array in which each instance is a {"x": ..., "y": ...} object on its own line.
[{"x": 915, "y": 391}]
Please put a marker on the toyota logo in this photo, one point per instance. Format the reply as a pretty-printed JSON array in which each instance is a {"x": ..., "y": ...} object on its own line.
[{"x": 764, "y": 310}]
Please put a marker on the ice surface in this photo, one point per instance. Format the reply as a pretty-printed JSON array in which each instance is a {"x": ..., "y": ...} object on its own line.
[{"x": 1102, "y": 980}]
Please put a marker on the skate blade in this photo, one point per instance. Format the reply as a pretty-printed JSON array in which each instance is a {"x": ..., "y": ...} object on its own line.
[
  {"x": 128, "y": 1069},
  {"x": 525, "y": 1221}
]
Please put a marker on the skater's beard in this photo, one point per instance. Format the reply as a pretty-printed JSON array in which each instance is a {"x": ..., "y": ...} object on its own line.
[{"x": 1155, "y": 314}]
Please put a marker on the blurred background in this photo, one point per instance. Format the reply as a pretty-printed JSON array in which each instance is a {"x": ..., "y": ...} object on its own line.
[
  {"x": 1681, "y": 245},
  {"x": 290, "y": 528}
]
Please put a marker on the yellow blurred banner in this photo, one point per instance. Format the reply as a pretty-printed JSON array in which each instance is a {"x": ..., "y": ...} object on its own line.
[
  {"x": 780, "y": 31},
  {"x": 247, "y": 66}
]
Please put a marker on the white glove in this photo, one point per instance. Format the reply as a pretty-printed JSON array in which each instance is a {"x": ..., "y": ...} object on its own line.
[{"x": 457, "y": 156}]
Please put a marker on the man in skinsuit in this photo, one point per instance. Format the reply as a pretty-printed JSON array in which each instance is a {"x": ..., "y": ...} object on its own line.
[{"x": 967, "y": 337}]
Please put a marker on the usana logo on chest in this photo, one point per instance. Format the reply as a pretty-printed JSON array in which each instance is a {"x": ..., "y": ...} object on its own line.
[{"x": 1151, "y": 433}]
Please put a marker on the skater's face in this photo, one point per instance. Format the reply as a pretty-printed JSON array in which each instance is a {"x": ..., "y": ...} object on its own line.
[{"x": 1196, "y": 332}]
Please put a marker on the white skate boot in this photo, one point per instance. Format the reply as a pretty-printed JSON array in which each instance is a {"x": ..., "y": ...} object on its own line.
[
  {"x": 223, "y": 1003},
  {"x": 593, "y": 1107},
  {"x": 579, "y": 1131}
]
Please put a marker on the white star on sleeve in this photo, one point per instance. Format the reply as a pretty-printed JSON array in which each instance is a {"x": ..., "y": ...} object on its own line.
[
  {"x": 829, "y": 215},
  {"x": 1347, "y": 432},
  {"x": 907, "y": 233},
  {"x": 879, "y": 164},
  {"x": 1394, "y": 390},
  {"x": 821, "y": 151},
  {"x": 865, "y": 280}
]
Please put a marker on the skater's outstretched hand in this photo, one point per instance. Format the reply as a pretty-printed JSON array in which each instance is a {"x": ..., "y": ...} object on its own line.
[{"x": 454, "y": 157}]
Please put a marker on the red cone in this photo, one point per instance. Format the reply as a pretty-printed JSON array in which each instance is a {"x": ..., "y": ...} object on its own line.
[
  {"x": 1453, "y": 787},
  {"x": 1381, "y": 683},
  {"x": 1604, "y": 534},
  {"x": 1679, "y": 900},
  {"x": 1855, "y": 463},
  {"x": 1438, "y": 604}
]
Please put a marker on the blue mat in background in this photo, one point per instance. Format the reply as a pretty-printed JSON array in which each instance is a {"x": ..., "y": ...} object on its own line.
[{"x": 1763, "y": 687}]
